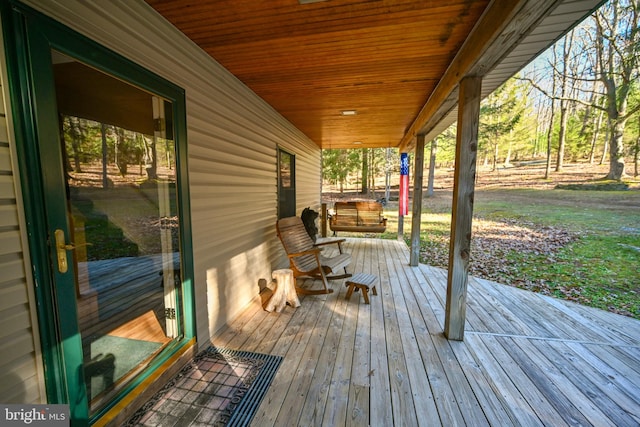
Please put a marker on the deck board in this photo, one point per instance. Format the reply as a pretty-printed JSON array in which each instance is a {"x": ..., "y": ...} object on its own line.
[
  {"x": 394, "y": 313},
  {"x": 380, "y": 386},
  {"x": 527, "y": 359},
  {"x": 358, "y": 398},
  {"x": 314, "y": 406}
]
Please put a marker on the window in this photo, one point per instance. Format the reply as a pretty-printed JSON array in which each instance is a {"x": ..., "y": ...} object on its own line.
[{"x": 286, "y": 184}]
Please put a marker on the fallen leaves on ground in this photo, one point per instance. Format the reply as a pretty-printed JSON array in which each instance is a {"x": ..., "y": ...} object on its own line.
[{"x": 492, "y": 241}]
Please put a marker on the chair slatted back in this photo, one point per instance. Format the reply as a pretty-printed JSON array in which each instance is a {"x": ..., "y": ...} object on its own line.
[{"x": 295, "y": 239}]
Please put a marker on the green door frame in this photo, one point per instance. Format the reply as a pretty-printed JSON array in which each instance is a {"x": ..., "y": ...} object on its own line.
[{"x": 29, "y": 38}]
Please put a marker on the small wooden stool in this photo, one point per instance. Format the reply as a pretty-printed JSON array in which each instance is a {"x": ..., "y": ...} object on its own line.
[{"x": 361, "y": 281}]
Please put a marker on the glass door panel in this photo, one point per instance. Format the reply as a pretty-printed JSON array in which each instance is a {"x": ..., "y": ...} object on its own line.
[{"x": 119, "y": 167}]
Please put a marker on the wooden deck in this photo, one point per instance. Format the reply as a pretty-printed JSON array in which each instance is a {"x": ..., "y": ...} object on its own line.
[{"x": 526, "y": 359}]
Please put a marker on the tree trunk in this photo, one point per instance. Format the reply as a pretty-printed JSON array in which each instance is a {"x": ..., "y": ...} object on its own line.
[
  {"x": 365, "y": 171},
  {"x": 564, "y": 104},
  {"x": 122, "y": 152},
  {"x": 152, "y": 169},
  {"x": 150, "y": 157},
  {"x": 636, "y": 155},
  {"x": 617, "y": 38},
  {"x": 591, "y": 115},
  {"x": 372, "y": 176},
  {"x": 594, "y": 138},
  {"x": 75, "y": 129},
  {"x": 547, "y": 171},
  {"x": 387, "y": 175},
  {"x": 536, "y": 141},
  {"x": 105, "y": 156},
  {"x": 561, "y": 135},
  {"x": 605, "y": 148},
  {"x": 616, "y": 151},
  {"x": 507, "y": 159}
]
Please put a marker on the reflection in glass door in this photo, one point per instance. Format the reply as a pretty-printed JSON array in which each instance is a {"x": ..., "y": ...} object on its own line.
[{"x": 119, "y": 167}]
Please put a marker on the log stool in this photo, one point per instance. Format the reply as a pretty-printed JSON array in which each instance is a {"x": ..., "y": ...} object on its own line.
[
  {"x": 361, "y": 281},
  {"x": 285, "y": 292}
]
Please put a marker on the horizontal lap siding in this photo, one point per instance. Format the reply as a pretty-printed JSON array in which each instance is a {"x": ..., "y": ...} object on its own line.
[
  {"x": 20, "y": 381},
  {"x": 233, "y": 137}
]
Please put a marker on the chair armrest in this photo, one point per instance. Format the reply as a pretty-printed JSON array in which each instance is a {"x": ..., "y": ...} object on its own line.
[
  {"x": 332, "y": 241},
  {"x": 329, "y": 242},
  {"x": 307, "y": 252}
]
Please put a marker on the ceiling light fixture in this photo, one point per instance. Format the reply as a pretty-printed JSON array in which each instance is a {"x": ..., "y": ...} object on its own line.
[
  {"x": 348, "y": 112},
  {"x": 357, "y": 142}
]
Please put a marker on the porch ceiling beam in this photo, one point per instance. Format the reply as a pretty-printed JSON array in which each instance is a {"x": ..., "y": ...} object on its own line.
[{"x": 501, "y": 27}]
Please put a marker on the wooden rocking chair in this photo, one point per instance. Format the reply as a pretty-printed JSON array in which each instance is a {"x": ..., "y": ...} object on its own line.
[{"x": 305, "y": 258}]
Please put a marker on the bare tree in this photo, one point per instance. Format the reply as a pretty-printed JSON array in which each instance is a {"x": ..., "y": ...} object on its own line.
[
  {"x": 617, "y": 45},
  {"x": 549, "y": 93},
  {"x": 608, "y": 52},
  {"x": 564, "y": 100}
]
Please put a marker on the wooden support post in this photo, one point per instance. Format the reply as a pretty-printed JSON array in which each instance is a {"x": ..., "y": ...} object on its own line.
[
  {"x": 324, "y": 219},
  {"x": 462, "y": 213},
  {"x": 417, "y": 202}
]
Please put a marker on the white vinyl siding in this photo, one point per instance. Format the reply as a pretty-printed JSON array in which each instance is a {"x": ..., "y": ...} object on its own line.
[
  {"x": 233, "y": 137},
  {"x": 21, "y": 378}
]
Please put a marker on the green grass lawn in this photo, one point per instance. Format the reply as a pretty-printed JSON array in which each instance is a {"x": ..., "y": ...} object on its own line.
[
  {"x": 599, "y": 271},
  {"x": 599, "y": 265}
]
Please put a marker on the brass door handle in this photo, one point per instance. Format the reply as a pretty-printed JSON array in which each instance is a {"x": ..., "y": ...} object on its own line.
[{"x": 62, "y": 248}]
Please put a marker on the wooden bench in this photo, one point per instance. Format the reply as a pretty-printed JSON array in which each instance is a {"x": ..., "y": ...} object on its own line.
[
  {"x": 305, "y": 257},
  {"x": 363, "y": 217}
]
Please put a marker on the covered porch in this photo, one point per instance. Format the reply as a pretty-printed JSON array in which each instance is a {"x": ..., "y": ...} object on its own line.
[{"x": 527, "y": 359}]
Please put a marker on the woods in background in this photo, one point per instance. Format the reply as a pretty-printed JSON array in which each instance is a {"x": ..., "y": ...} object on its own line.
[
  {"x": 578, "y": 102},
  {"x": 95, "y": 147}
]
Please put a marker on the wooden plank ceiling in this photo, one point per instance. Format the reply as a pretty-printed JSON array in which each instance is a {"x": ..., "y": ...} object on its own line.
[{"x": 311, "y": 61}]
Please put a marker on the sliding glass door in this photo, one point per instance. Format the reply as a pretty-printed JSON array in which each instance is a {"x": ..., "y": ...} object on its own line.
[
  {"x": 122, "y": 242},
  {"x": 104, "y": 153}
]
